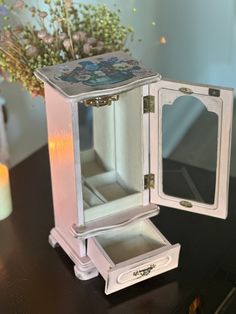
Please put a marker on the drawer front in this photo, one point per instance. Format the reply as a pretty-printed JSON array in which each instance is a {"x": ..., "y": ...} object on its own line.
[
  {"x": 121, "y": 277},
  {"x": 113, "y": 255}
]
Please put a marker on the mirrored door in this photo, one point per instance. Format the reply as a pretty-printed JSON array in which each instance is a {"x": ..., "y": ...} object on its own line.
[{"x": 203, "y": 116}]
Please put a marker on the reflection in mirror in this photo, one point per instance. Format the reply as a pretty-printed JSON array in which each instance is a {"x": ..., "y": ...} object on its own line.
[
  {"x": 111, "y": 166},
  {"x": 85, "y": 126},
  {"x": 192, "y": 144}
]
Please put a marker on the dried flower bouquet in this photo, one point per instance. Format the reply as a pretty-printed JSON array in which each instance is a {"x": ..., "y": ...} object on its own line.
[{"x": 62, "y": 31}]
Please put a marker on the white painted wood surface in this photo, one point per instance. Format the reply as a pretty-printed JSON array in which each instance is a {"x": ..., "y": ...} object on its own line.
[
  {"x": 63, "y": 166},
  {"x": 146, "y": 145},
  {"x": 120, "y": 219},
  {"x": 104, "y": 135},
  {"x": 129, "y": 139}
]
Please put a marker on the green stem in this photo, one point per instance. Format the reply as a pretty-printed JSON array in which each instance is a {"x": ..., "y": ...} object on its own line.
[
  {"x": 18, "y": 52},
  {"x": 69, "y": 34},
  {"x": 11, "y": 56}
]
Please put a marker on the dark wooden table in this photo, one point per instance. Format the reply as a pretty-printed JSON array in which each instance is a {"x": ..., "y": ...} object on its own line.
[{"x": 34, "y": 278}]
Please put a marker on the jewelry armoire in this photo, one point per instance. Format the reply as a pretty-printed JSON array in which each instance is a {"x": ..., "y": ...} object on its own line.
[{"x": 105, "y": 195}]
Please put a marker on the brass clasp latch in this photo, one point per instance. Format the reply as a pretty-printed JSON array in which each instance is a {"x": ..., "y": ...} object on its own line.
[{"x": 101, "y": 101}]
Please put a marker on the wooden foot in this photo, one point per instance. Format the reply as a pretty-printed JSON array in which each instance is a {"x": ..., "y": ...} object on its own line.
[
  {"x": 52, "y": 241},
  {"x": 83, "y": 274}
]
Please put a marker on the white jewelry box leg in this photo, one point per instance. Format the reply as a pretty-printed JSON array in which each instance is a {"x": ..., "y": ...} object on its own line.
[
  {"x": 52, "y": 241},
  {"x": 84, "y": 269},
  {"x": 83, "y": 272}
]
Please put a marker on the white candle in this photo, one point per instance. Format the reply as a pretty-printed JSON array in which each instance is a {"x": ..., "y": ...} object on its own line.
[{"x": 5, "y": 193}]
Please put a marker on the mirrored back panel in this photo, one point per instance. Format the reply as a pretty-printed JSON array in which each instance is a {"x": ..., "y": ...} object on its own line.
[{"x": 111, "y": 155}]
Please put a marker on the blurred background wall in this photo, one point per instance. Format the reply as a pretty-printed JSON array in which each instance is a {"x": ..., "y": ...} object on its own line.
[{"x": 201, "y": 48}]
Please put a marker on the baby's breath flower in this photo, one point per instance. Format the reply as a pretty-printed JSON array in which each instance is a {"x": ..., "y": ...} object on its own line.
[
  {"x": 66, "y": 44},
  {"x": 48, "y": 39},
  {"x": 24, "y": 42},
  {"x": 99, "y": 49},
  {"x": 82, "y": 36},
  {"x": 7, "y": 34},
  {"x": 32, "y": 9},
  {"x": 100, "y": 46},
  {"x": 62, "y": 36},
  {"x": 42, "y": 34},
  {"x": 91, "y": 41},
  {"x": 76, "y": 37},
  {"x": 19, "y": 4},
  {"x": 18, "y": 29},
  {"x": 87, "y": 48},
  {"x": 68, "y": 3},
  {"x": 2, "y": 37},
  {"x": 32, "y": 51},
  {"x": 43, "y": 14}
]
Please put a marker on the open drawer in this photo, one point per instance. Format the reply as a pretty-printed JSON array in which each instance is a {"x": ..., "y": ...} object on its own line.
[{"x": 128, "y": 255}]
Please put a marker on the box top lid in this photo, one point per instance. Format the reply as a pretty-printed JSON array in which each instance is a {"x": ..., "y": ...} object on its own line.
[{"x": 105, "y": 74}]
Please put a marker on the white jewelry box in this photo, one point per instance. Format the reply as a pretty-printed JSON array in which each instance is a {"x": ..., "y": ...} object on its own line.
[{"x": 104, "y": 196}]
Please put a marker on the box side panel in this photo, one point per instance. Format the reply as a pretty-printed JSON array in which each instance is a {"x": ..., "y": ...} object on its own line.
[{"x": 62, "y": 163}]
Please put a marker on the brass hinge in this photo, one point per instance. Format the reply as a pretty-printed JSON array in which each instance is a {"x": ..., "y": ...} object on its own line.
[
  {"x": 148, "y": 104},
  {"x": 149, "y": 181}
]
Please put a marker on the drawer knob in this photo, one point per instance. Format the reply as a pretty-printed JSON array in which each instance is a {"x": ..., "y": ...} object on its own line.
[{"x": 144, "y": 272}]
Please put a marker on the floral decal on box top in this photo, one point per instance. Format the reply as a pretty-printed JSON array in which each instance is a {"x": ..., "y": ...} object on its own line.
[{"x": 102, "y": 72}]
